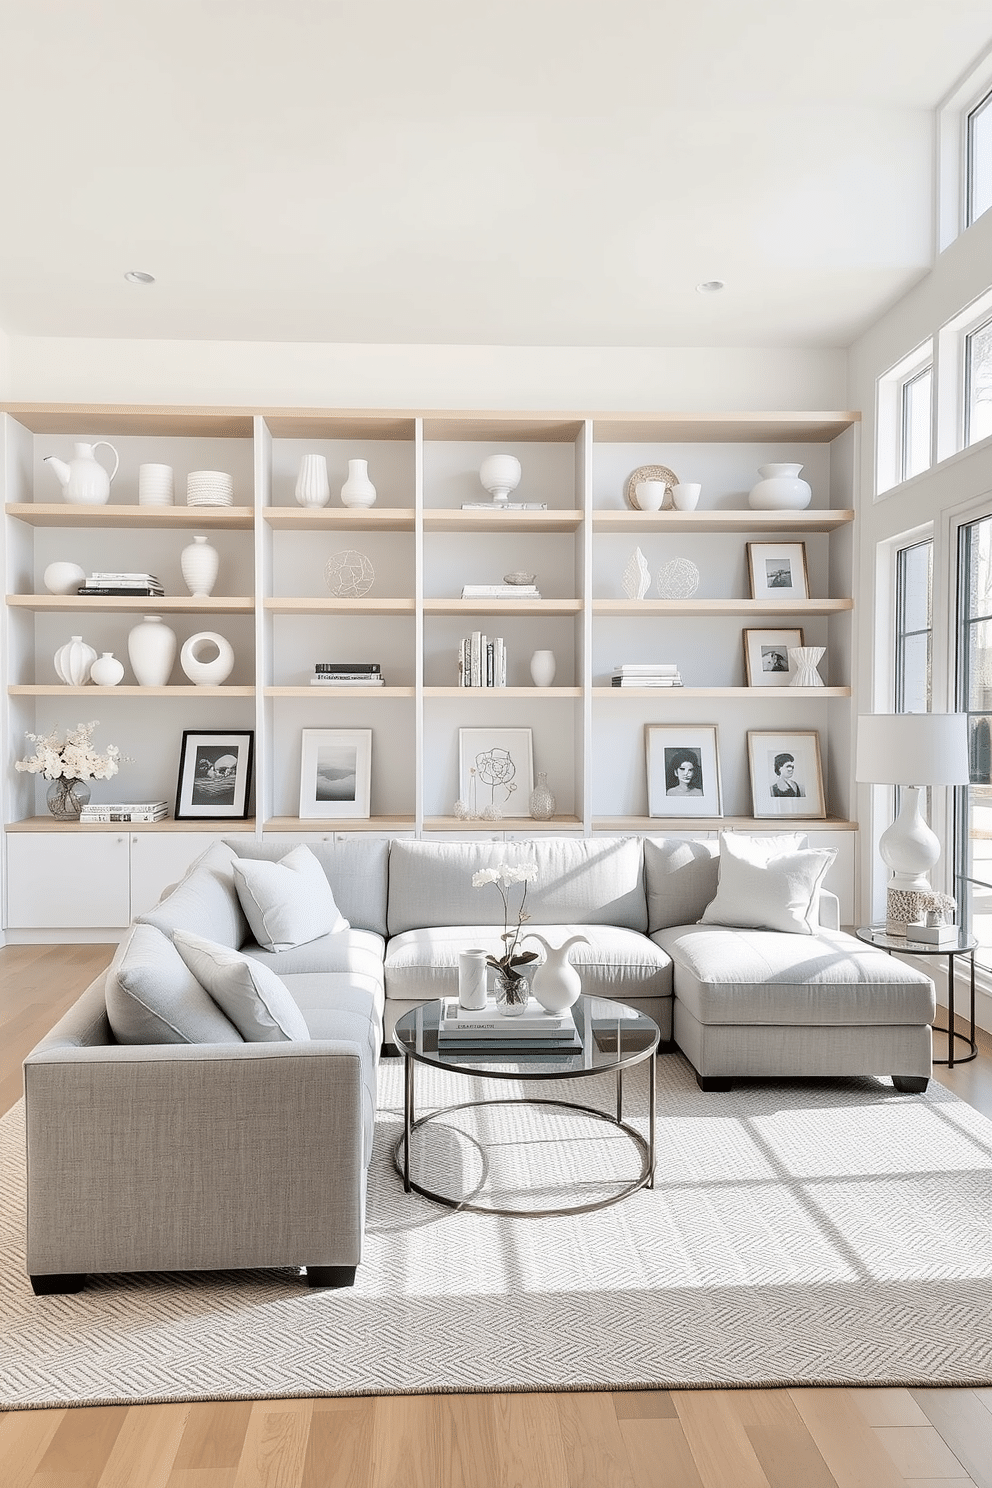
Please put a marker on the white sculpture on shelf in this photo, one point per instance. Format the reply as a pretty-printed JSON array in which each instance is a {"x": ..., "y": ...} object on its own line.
[
  {"x": 151, "y": 649},
  {"x": 64, "y": 578},
  {"x": 199, "y": 562},
  {"x": 73, "y": 662},
  {"x": 500, "y": 474},
  {"x": 678, "y": 579},
  {"x": 202, "y": 668},
  {"x": 312, "y": 486},
  {"x": 349, "y": 575},
  {"x": 636, "y": 576}
]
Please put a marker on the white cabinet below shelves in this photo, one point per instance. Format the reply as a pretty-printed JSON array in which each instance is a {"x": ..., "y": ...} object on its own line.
[
  {"x": 59, "y": 880},
  {"x": 159, "y": 859}
]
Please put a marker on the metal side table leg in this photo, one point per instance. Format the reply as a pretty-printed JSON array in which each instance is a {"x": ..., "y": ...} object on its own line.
[{"x": 407, "y": 1118}]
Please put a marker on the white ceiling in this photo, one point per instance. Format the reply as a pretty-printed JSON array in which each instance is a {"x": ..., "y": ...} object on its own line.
[{"x": 536, "y": 172}]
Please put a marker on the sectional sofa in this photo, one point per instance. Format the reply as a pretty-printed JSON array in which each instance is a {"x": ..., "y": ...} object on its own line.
[{"x": 170, "y": 1129}]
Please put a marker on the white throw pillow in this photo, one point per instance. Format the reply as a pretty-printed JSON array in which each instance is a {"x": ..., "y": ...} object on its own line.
[
  {"x": 287, "y": 903},
  {"x": 253, "y": 997},
  {"x": 762, "y": 887}
]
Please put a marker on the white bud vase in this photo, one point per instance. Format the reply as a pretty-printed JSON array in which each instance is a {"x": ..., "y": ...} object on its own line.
[
  {"x": 199, "y": 563},
  {"x": 107, "y": 671},
  {"x": 73, "y": 662},
  {"x": 312, "y": 485},
  {"x": 542, "y": 668},
  {"x": 151, "y": 647},
  {"x": 207, "y": 659},
  {"x": 358, "y": 490},
  {"x": 780, "y": 489}
]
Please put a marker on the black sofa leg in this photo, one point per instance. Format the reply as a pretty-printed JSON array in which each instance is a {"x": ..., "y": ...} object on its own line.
[
  {"x": 910, "y": 1084},
  {"x": 58, "y": 1282},
  {"x": 331, "y": 1276},
  {"x": 715, "y": 1084}
]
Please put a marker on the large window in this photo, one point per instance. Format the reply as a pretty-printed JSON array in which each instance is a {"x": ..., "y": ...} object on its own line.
[
  {"x": 978, "y": 383},
  {"x": 978, "y": 153},
  {"x": 974, "y": 815},
  {"x": 916, "y": 434},
  {"x": 914, "y": 615}
]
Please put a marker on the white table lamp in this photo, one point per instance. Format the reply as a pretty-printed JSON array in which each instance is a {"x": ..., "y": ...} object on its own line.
[{"x": 913, "y": 750}]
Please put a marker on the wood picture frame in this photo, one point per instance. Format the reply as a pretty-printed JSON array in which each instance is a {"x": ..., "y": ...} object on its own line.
[
  {"x": 786, "y": 773},
  {"x": 777, "y": 570},
  {"x": 766, "y": 656},
  {"x": 336, "y": 773},
  {"x": 683, "y": 768},
  {"x": 495, "y": 771},
  {"x": 214, "y": 774}
]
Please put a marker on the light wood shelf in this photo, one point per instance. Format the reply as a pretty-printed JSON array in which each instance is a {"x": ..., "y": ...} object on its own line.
[
  {"x": 340, "y": 606},
  {"x": 340, "y": 824},
  {"x": 721, "y": 428},
  {"x": 502, "y": 606},
  {"x": 340, "y": 692},
  {"x": 455, "y": 520},
  {"x": 756, "y": 522},
  {"x": 59, "y": 689},
  {"x": 659, "y": 825},
  {"x": 689, "y": 607},
  {"x": 753, "y": 694},
  {"x": 64, "y": 514},
  {"x": 502, "y": 692},
  {"x": 167, "y": 824},
  {"x": 172, "y": 604},
  {"x": 504, "y": 824},
  {"x": 358, "y": 519}
]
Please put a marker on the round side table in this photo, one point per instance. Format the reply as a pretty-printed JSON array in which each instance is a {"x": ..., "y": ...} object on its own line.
[{"x": 965, "y": 945}]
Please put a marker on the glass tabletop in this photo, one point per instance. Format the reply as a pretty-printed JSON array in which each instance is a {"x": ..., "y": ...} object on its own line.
[
  {"x": 609, "y": 1035},
  {"x": 876, "y": 935}
]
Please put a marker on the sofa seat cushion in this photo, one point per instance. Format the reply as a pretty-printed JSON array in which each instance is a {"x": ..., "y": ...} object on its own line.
[
  {"x": 358, "y": 951},
  {"x": 205, "y": 902},
  {"x": 341, "y": 1008},
  {"x": 725, "y": 975},
  {"x": 153, "y": 997},
  {"x": 424, "y": 963}
]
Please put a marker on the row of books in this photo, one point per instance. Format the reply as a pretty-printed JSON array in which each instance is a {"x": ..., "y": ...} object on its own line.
[
  {"x": 124, "y": 811},
  {"x": 110, "y": 584},
  {"x": 489, "y": 1032},
  {"x": 500, "y": 591},
  {"x": 646, "y": 674},
  {"x": 346, "y": 674},
  {"x": 481, "y": 661}
]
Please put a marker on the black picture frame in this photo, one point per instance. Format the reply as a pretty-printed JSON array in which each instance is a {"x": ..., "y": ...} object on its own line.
[{"x": 215, "y": 768}]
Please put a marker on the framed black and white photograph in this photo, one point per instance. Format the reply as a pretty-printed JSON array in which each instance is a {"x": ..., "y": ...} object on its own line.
[
  {"x": 683, "y": 769},
  {"x": 777, "y": 570},
  {"x": 786, "y": 775},
  {"x": 214, "y": 775},
  {"x": 495, "y": 771},
  {"x": 766, "y": 656},
  {"x": 336, "y": 773}
]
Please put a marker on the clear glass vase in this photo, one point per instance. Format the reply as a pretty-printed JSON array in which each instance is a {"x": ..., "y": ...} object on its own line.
[
  {"x": 512, "y": 993},
  {"x": 66, "y": 798},
  {"x": 542, "y": 802}
]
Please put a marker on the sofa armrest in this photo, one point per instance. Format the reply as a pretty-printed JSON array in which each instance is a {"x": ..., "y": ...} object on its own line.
[{"x": 828, "y": 910}]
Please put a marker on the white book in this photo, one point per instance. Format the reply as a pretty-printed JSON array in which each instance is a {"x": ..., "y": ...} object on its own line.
[
  {"x": 488, "y": 1022},
  {"x": 639, "y": 668},
  {"x": 504, "y": 506}
]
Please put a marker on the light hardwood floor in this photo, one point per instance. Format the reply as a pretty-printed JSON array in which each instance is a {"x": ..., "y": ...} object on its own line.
[{"x": 657, "y": 1439}]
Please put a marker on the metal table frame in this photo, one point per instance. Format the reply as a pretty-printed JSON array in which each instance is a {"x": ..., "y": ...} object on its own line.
[{"x": 874, "y": 935}]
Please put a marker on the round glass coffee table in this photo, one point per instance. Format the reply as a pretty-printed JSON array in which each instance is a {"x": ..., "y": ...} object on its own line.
[{"x": 613, "y": 1037}]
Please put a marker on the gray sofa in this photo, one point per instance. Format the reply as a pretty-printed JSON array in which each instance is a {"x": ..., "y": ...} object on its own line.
[{"x": 189, "y": 1148}]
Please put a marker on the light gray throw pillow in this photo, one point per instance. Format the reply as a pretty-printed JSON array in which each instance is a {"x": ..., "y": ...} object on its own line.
[
  {"x": 763, "y": 888},
  {"x": 153, "y": 997},
  {"x": 253, "y": 997},
  {"x": 287, "y": 903}
]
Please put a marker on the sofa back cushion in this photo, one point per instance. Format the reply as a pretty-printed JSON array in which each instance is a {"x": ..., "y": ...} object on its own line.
[
  {"x": 205, "y": 902},
  {"x": 599, "y": 881},
  {"x": 764, "y": 888},
  {"x": 288, "y": 903},
  {"x": 153, "y": 998},
  {"x": 355, "y": 868}
]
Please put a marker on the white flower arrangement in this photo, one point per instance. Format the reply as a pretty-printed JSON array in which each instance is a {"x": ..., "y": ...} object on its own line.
[
  {"x": 504, "y": 876},
  {"x": 73, "y": 758},
  {"x": 939, "y": 908}
]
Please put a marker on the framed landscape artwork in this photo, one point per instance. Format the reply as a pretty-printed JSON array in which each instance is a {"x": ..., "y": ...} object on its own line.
[
  {"x": 214, "y": 776},
  {"x": 683, "y": 769},
  {"x": 766, "y": 656},
  {"x": 777, "y": 570},
  {"x": 336, "y": 773},
  {"x": 786, "y": 776},
  {"x": 495, "y": 771}
]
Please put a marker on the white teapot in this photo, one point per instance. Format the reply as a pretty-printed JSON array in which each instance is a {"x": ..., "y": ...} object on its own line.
[{"x": 84, "y": 481}]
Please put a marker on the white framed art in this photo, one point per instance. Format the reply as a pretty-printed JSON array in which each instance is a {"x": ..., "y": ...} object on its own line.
[
  {"x": 683, "y": 769},
  {"x": 777, "y": 570},
  {"x": 495, "y": 771},
  {"x": 786, "y": 775},
  {"x": 766, "y": 656},
  {"x": 336, "y": 773}
]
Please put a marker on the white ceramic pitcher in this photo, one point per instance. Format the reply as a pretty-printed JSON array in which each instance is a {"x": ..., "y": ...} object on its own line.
[
  {"x": 83, "y": 480},
  {"x": 556, "y": 983}
]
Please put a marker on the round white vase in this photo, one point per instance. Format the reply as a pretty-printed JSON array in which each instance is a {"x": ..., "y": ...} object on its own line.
[
  {"x": 650, "y": 494},
  {"x": 207, "y": 659},
  {"x": 107, "y": 671},
  {"x": 500, "y": 474},
  {"x": 312, "y": 485},
  {"x": 685, "y": 496},
  {"x": 64, "y": 578},
  {"x": 151, "y": 648},
  {"x": 199, "y": 563},
  {"x": 780, "y": 489},
  {"x": 73, "y": 662},
  {"x": 542, "y": 668},
  {"x": 358, "y": 490}
]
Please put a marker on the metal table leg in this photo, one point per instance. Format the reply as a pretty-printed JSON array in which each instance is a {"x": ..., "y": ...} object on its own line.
[
  {"x": 408, "y": 1065},
  {"x": 652, "y": 1109}
]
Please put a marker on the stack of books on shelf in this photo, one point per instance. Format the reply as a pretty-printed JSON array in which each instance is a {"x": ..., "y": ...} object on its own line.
[
  {"x": 346, "y": 674},
  {"x": 125, "y": 811},
  {"x": 647, "y": 674},
  {"x": 488, "y": 1033},
  {"x": 499, "y": 506},
  {"x": 500, "y": 591},
  {"x": 482, "y": 661},
  {"x": 144, "y": 584}
]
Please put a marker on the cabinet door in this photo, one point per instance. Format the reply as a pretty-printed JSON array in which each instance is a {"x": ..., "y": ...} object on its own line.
[
  {"x": 159, "y": 859},
  {"x": 63, "y": 880}
]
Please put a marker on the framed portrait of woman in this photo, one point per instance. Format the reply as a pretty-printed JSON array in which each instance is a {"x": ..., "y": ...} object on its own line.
[
  {"x": 683, "y": 769},
  {"x": 786, "y": 773}
]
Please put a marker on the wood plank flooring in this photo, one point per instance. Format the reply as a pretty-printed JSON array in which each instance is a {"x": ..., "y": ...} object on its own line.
[{"x": 801, "y": 1438}]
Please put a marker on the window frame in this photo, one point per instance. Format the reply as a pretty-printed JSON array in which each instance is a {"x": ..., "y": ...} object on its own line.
[
  {"x": 890, "y": 420},
  {"x": 964, "y": 880},
  {"x": 966, "y": 376},
  {"x": 984, "y": 104}
]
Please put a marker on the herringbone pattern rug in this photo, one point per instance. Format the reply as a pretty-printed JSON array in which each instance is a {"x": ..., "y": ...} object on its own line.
[{"x": 798, "y": 1233}]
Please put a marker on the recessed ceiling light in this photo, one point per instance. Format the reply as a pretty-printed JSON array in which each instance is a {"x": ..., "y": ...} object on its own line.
[
  {"x": 710, "y": 286},
  {"x": 138, "y": 276}
]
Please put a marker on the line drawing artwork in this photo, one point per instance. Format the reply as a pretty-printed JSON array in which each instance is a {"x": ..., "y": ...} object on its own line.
[{"x": 494, "y": 768}]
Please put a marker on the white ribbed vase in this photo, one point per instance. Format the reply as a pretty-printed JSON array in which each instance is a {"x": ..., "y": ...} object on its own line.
[
  {"x": 312, "y": 485},
  {"x": 73, "y": 662},
  {"x": 199, "y": 563},
  {"x": 151, "y": 648}
]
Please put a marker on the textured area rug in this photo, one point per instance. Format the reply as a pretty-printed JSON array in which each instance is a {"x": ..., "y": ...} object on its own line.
[{"x": 798, "y": 1234}]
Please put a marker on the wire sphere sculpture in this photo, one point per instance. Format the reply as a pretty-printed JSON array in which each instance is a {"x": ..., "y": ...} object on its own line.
[
  {"x": 678, "y": 579},
  {"x": 349, "y": 575}
]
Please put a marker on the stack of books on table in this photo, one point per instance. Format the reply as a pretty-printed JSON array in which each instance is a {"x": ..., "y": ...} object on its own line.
[
  {"x": 500, "y": 591},
  {"x": 346, "y": 674},
  {"x": 647, "y": 674},
  {"x": 109, "y": 584},
  {"x": 125, "y": 811},
  {"x": 482, "y": 661},
  {"x": 489, "y": 1033}
]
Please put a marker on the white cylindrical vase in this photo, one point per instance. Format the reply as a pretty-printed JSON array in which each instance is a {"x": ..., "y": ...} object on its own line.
[
  {"x": 542, "y": 668},
  {"x": 151, "y": 648},
  {"x": 207, "y": 659},
  {"x": 358, "y": 490},
  {"x": 472, "y": 973},
  {"x": 107, "y": 671},
  {"x": 199, "y": 563},
  {"x": 73, "y": 662},
  {"x": 312, "y": 485},
  {"x": 780, "y": 489}
]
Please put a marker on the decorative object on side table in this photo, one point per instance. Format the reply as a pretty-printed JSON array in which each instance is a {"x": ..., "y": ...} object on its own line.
[
  {"x": 499, "y": 475},
  {"x": 495, "y": 768},
  {"x": 512, "y": 990},
  {"x": 542, "y": 668},
  {"x": 542, "y": 803},
  {"x": 767, "y": 655},
  {"x": 107, "y": 671},
  {"x": 805, "y": 659},
  {"x": 73, "y": 662},
  {"x": 786, "y": 775},
  {"x": 199, "y": 562},
  {"x": 636, "y": 576},
  {"x": 64, "y": 578},
  {"x": 214, "y": 775},
  {"x": 911, "y": 750},
  {"x": 358, "y": 490},
  {"x": 84, "y": 480},
  {"x": 349, "y": 574},
  {"x": 678, "y": 579},
  {"x": 938, "y": 927},
  {"x": 312, "y": 486},
  {"x": 777, "y": 570},
  {"x": 683, "y": 769},
  {"x": 69, "y": 764},
  {"x": 780, "y": 489},
  {"x": 203, "y": 668},
  {"x": 151, "y": 649},
  {"x": 556, "y": 984},
  {"x": 648, "y": 473},
  {"x": 336, "y": 773}
]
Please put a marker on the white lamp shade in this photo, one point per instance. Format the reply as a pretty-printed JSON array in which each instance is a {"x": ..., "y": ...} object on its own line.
[{"x": 913, "y": 749}]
